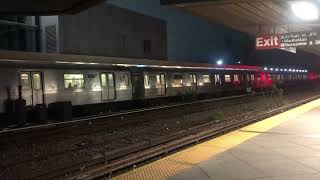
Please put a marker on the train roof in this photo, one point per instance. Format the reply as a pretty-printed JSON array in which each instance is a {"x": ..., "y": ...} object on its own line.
[{"x": 18, "y": 57}]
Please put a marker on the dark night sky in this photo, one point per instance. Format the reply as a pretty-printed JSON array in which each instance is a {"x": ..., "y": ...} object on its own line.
[{"x": 192, "y": 38}]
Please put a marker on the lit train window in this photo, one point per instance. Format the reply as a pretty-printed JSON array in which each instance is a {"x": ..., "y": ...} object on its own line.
[
  {"x": 25, "y": 81},
  {"x": 177, "y": 80},
  {"x": 236, "y": 78},
  {"x": 206, "y": 78},
  {"x": 124, "y": 81},
  {"x": 252, "y": 77},
  {"x": 107, "y": 79},
  {"x": 227, "y": 78},
  {"x": 217, "y": 79},
  {"x": 36, "y": 80},
  {"x": 73, "y": 81},
  {"x": 146, "y": 81},
  {"x": 193, "y": 78}
]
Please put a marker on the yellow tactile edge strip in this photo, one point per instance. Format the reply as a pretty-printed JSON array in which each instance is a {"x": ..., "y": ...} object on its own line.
[{"x": 186, "y": 159}]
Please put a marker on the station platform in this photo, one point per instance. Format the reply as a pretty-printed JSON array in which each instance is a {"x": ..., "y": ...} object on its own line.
[{"x": 283, "y": 147}]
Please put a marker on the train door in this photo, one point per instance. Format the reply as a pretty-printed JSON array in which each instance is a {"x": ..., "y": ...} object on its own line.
[
  {"x": 193, "y": 83},
  {"x": 108, "y": 91},
  {"x": 32, "y": 88},
  {"x": 137, "y": 85},
  {"x": 161, "y": 84}
]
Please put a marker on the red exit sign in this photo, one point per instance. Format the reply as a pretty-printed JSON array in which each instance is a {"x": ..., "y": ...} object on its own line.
[{"x": 268, "y": 42}]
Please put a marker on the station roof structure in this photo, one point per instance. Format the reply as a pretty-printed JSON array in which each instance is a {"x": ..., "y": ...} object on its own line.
[
  {"x": 252, "y": 16},
  {"x": 45, "y": 7}
]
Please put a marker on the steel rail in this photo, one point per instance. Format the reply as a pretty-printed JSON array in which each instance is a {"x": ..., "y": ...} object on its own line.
[{"x": 166, "y": 148}]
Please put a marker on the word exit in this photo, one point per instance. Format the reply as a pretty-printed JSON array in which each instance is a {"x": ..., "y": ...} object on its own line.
[{"x": 268, "y": 42}]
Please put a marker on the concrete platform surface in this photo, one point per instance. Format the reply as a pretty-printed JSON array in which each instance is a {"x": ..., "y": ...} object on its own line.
[{"x": 283, "y": 147}]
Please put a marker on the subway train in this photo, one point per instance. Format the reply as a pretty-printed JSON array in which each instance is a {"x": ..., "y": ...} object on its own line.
[{"x": 84, "y": 80}]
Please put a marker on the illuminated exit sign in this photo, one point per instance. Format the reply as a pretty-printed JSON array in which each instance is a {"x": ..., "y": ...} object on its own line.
[
  {"x": 268, "y": 42},
  {"x": 289, "y": 40}
]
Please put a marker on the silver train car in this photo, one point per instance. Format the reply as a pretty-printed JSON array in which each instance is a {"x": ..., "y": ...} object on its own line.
[{"x": 84, "y": 80}]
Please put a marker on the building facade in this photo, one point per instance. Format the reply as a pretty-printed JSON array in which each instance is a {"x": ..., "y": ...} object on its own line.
[
  {"x": 20, "y": 33},
  {"x": 106, "y": 30}
]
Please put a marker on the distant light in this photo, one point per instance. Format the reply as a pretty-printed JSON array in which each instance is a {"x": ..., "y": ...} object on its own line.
[
  {"x": 266, "y": 69},
  {"x": 239, "y": 62},
  {"x": 271, "y": 69},
  {"x": 220, "y": 62},
  {"x": 304, "y": 10}
]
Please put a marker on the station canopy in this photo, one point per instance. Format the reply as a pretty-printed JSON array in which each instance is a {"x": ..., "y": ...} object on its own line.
[
  {"x": 45, "y": 7},
  {"x": 258, "y": 17}
]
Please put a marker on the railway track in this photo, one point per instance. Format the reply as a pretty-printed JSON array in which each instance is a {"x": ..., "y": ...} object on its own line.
[
  {"x": 58, "y": 130},
  {"x": 120, "y": 114},
  {"x": 30, "y": 135},
  {"x": 185, "y": 139}
]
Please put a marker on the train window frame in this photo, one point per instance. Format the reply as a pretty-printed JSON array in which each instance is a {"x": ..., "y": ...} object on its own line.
[
  {"x": 82, "y": 79},
  {"x": 36, "y": 84},
  {"x": 23, "y": 86},
  {"x": 177, "y": 82},
  {"x": 206, "y": 80},
  {"x": 124, "y": 81},
  {"x": 227, "y": 78}
]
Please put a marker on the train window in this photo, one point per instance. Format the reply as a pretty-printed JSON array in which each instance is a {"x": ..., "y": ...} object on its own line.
[
  {"x": 36, "y": 80},
  {"x": 25, "y": 81},
  {"x": 252, "y": 77},
  {"x": 146, "y": 81},
  {"x": 124, "y": 81},
  {"x": 227, "y": 78},
  {"x": 193, "y": 78},
  {"x": 236, "y": 78},
  {"x": 107, "y": 79},
  {"x": 217, "y": 79},
  {"x": 73, "y": 81},
  {"x": 206, "y": 78},
  {"x": 177, "y": 80},
  {"x": 104, "y": 80}
]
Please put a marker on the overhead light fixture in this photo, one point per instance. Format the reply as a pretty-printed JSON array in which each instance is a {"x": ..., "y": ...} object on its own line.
[
  {"x": 266, "y": 69},
  {"x": 305, "y": 10},
  {"x": 220, "y": 62}
]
